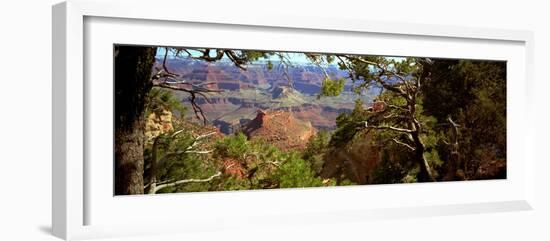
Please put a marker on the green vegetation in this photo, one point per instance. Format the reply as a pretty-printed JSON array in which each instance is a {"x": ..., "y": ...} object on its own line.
[
  {"x": 332, "y": 87},
  {"x": 246, "y": 164},
  {"x": 315, "y": 151},
  {"x": 296, "y": 172},
  {"x": 414, "y": 120},
  {"x": 411, "y": 146},
  {"x": 159, "y": 100}
]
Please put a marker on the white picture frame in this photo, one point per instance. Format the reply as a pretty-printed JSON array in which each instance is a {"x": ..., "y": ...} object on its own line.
[{"x": 75, "y": 198}]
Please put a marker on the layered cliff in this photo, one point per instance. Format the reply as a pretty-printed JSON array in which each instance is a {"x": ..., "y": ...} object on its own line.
[{"x": 281, "y": 129}]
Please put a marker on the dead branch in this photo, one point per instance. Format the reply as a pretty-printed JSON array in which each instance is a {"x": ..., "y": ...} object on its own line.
[
  {"x": 274, "y": 163},
  {"x": 454, "y": 144},
  {"x": 454, "y": 160},
  {"x": 403, "y": 144},
  {"x": 179, "y": 182},
  {"x": 189, "y": 150},
  {"x": 384, "y": 72},
  {"x": 239, "y": 61},
  {"x": 198, "y": 138},
  {"x": 199, "y": 152},
  {"x": 192, "y": 89},
  {"x": 164, "y": 78},
  {"x": 351, "y": 74},
  {"x": 177, "y": 133},
  {"x": 393, "y": 128},
  {"x": 164, "y": 60}
]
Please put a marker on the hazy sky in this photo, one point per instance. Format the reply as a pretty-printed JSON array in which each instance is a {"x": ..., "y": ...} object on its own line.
[{"x": 295, "y": 57}]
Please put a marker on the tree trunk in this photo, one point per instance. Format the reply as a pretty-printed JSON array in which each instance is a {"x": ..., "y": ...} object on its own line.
[
  {"x": 153, "y": 168},
  {"x": 133, "y": 67},
  {"x": 425, "y": 174}
]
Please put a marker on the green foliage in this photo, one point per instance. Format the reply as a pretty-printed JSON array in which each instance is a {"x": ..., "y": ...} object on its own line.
[
  {"x": 332, "y": 87},
  {"x": 253, "y": 55},
  {"x": 315, "y": 150},
  {"x": 395, "y": 164},
  {"x": 160, "y": 99},
  {"x": 411, "y": 176},
  {"x": 266, "y": 165},
  {"x": 346, "y": 182},
  {"x": 473, "y": 94},
  {"x": 296, "y": 172},
  {"x": 230, "y": 183},
  {"x": 397, "y": 79},
  {"x": 433, "y": 158},
  {"x": 174, "y": 164},
  {"x": 348, "y": 125},
  {"x": 234, "y": 146},
  {"x": 189, "y": 167}
]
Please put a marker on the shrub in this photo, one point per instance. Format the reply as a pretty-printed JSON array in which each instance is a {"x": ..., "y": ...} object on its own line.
[
  {"x": 296, "y": 172},
  {"x": 316, "y": 149},
  {"x": 234, "y": 146}
]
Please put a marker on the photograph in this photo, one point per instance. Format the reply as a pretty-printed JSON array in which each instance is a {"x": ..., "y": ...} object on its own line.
[{"x": 206, "y": 119}]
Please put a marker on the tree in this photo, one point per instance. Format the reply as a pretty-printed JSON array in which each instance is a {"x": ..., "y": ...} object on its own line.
[
  {"x": 469, "y": 95},
  {"x": 134, "y": 78},
  {"x": 398, "y": 107},
  {"x": 316, "y": 149},
  {"x": 175, "y": 152},
  {"x": 296, "y": 172},
  {"x": 132, "y": 83}
]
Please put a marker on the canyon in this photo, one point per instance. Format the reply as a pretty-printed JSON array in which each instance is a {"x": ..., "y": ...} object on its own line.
[{"x": 245, "y": 92}]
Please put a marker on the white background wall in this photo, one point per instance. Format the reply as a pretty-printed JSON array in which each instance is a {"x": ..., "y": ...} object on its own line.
[{"x": 25, "y": 120}]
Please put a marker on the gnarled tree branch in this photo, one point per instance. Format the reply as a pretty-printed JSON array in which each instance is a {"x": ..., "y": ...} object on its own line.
[
  {"x": 179, "y": 182},
  {"x": 393, "y": 128},
  {"x": 403, "y": 144}
]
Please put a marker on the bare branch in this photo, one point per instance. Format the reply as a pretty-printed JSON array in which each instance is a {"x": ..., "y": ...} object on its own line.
[
  {"x": 383, "y": 72},
  {"x": 172, "y": 184},
  {"x": 351, "y": 74},
  {"x": 390, "y": 128},
  {"x": 206, "y": 55},
  {"x": 176, "y": 133},
  {"x": 198, "y": 139},
  {"x": 196, "y": 108},
  {"x": 164, "y": 60},
  {"x": 177, "y": 86},
  {"x": 274, "y": 163},
  {"x": 318, "y": 64},
  {"x": 403, "y": 144},
  {"x": 193, "y": 91},
  {"x": 199, "y": 152},
  {"x": 378, "y": 65},
  {"x": 237, "y": 60},
  {"x": 455, "y": 135},
  {"x": 188, "y": 150}
]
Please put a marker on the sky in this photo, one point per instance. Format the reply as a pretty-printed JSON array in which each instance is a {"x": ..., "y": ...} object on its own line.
[{"x": 296, "y": 57}]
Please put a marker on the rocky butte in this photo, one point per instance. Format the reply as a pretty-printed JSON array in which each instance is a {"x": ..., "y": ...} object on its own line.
[{"x": 281, "y": 129}]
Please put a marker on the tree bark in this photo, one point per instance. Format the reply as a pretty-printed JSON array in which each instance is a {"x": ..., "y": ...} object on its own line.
[
  {"x": 133, "y": 67},
  {"x": 153, "y": 168},
  {"x": 425, "y": 174}
]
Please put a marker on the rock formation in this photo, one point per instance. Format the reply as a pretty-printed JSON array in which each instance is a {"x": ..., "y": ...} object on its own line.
[
  {"x": 281, "y": 129},
  {"x": 157, "y": 124}
]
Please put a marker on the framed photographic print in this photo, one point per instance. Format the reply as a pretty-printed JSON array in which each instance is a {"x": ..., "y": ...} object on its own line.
[{"x": 284, "y": 119}]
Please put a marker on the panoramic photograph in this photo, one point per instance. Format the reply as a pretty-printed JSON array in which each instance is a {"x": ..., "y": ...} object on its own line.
[{"x": 196, "y": 119}]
